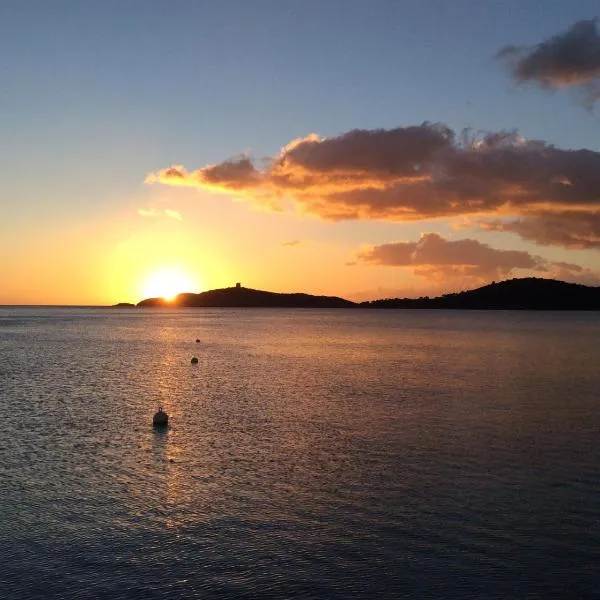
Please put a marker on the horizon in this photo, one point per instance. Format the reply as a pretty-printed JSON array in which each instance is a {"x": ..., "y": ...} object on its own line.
[
  {"x": 392, "y": 156},
  {"x": 367, "y": 300}
]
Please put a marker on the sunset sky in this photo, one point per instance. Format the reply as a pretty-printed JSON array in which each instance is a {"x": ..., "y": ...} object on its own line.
[{"x": 340, "y": 147}]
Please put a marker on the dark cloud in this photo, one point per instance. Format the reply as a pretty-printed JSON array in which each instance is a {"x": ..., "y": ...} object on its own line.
[
  {"x": 410, "y": 174},
  {"x": 570, "y": 59},
  {"x": 432, "y": 256},
  {"x": 235, "y": 175},
  {"x": 291, "y": 243},
  {"x": 569, "y": 229},
  {"x": 468, "y": 261},
  {"x": 359, "y": 157}
]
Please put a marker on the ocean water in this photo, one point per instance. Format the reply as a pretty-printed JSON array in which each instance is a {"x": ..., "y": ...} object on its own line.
[{"x": 310, "y": 454}]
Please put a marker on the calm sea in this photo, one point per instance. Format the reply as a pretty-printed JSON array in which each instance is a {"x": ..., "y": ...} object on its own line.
[{"x": 311, "y": 454}]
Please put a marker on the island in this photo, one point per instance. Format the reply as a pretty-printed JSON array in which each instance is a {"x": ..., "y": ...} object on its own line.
[
  {"x": 238, "y": 296},
  {"x": 530, "y": 293}
]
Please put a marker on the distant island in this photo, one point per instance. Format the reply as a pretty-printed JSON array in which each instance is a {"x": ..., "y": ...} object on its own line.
[
  {"x": 529, "y": 293},
  {"x": 239, "y": 296}
]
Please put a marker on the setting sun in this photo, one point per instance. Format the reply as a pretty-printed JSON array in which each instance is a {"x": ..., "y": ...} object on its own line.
[{"x": 168, "y": 283}]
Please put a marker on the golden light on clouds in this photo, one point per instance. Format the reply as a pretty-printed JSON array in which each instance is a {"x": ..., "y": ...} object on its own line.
[{"x": 418, "y": 173}]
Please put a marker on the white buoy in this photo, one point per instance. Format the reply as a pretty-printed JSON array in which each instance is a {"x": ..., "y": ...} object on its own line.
[
  {"x": 194, "y": 360},
  {"x": 161, "y": 418},
  {"x": 197, "y": 341}
]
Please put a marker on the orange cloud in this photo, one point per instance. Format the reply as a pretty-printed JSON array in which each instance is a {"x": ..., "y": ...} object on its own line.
[
  {"x": 409, "y": 174},
  {"x": 230, "y": 176},
  {"x": 436, "y": 258},
  {"x": 569, "y": 229}
]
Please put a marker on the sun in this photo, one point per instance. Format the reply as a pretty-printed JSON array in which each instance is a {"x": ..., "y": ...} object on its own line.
[{"x": 167, "y": 283}]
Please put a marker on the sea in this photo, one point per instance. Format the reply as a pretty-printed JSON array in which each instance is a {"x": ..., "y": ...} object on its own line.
[{"x": 313, "y": 454}]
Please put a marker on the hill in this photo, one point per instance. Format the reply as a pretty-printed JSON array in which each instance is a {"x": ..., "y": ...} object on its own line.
[
  {"x": 246, "y": 297},
  {"x": 514, "y": 294}
]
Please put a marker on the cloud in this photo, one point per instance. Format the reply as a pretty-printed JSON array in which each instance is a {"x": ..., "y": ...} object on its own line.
[
  {"x": 569, "y": 59},
  {"x": 433, "y": 252},
  {"x": 409, "y": 174},
  {"x": 153, "y": 212},
  {"x": 291, "y": 243},
  {"x": 569, "y": 229},
  {"x": 148, "y": 212},
  {"x": 435, "y": 258},
  {"x": 173, "y": 214},
  {"x": 233, "y": 175}
]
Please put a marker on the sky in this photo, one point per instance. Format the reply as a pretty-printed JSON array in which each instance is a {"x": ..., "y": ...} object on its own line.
[{"x": 340, "y": 147}]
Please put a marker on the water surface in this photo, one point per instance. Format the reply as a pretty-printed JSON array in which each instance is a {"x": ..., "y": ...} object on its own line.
[{"x": 311, "y": 454}]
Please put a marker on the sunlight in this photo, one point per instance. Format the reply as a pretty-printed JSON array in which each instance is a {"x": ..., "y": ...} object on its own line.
[{"x": 167, "y": 283}]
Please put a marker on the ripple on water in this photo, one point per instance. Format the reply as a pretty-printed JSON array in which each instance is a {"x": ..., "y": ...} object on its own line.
[{"x": 310, "y": 454}]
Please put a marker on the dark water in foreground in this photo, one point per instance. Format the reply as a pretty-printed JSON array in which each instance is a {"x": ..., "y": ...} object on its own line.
[{"x": 312, "y": 454}]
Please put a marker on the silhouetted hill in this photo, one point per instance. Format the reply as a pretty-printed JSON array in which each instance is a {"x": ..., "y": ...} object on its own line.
[
  {"x": 519, "y": 294},
  {"x": 514, "y": 294},
  {"x": 245, "y": 297}
]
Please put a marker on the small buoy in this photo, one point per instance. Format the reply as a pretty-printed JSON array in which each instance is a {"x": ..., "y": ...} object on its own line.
[
  {"x": 161, "y": 418},
  {"x": 194, "y": 360},
  {"x": 197, "y": 341}
]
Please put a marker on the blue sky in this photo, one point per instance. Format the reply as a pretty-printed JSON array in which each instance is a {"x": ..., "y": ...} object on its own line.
[{"x": 96, "y": 95}]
